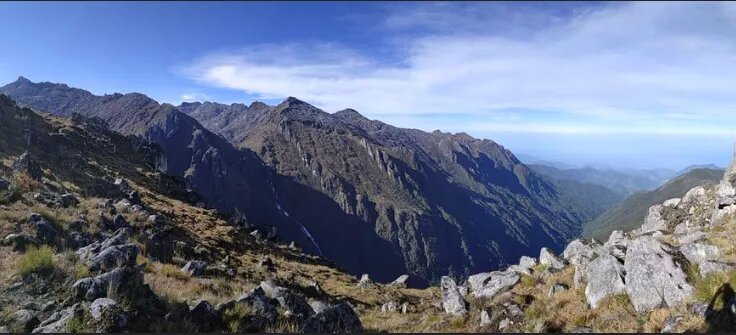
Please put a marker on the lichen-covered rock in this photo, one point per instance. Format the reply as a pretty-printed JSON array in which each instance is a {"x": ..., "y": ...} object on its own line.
[
  {"x": 656, "y": 274},
  {"x": 527, "y": 262},
  {"x": 25, "y": 319},
  {"x": 452, "y": 301},
  {"x": 546, "y": 257},
  {"x": 725, "y": 194},
  {"x": 45, "y": 231},
  {"x": 654, "y": 220},
  {"x": 291, "y": 302},
  {"x": 58, "y": 322},
  {"x": 114, "y": 284},
  {"x": 195, "y": 268},
  {"x": 708, "y": 267},
  {"x": 577, "y": 248},
  {"x": 671, "y": 202},
  {"x": 340, "y": 318},
  {"x": 114, "y": 257},
  {"x": 605, "y": 277},
  {"x": 108, "y": 315},
  {"x": 694, "y": 195},
  {"x": 491, "y": 283},
  {"x": 698, "y": 253},
  {"x": 691, "y": 237}
]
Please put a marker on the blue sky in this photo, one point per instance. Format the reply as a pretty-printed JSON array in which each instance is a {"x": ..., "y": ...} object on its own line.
[{"x": 640, "y": 85}]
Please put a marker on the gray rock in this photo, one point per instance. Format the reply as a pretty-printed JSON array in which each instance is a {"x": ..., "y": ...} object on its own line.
[
  {"x": 108, "y": 315},
  {"x": 518, "y": 269},
  {"x": 48, "y": 306},
  {"x": 452, "y": 301},
  {"x": 401, "y": 281},
  {"x": 25, "y": 319},
  {"x": 19, "y": 242},
  {"x": 195, "y": 268},
  {"x": 365, "y": 281},
  {"x": 26, "y": 164},
  {"x": 114, "y": 284},
  {"x": 340, "y": 318},
  {"x": 485, "y": 319},
  {"x": 69, "y": 200},
  {"x": 691, "y": 237},
  {"x": 694, "y": 195},
  {"x": 655, "y": 275},
  {"x": 654, "y": 220},
  {"x": 505, "y": 323},
  {"x": 556, "y": 288},
  {"x": 577, "y": 248},
  {"x": 160, "y": 246},
  {"x": 58, "y": 321},
  {"x": 4, "y": 184},
  {"x": 527, "y": 262},
  {"x": 318, "y": 306},
  {"x": 119, "y": 222},
  {"x": 698, "y": 253},
  {"x": 45, "y": 231},
  {"x": 708, "y": 267},
  {"x": 721, "y": 213},
  {"x": 671, "y": 202},
  {"x": 114, "y": 257},
  {"x": 390, "y": 307},
  {"x": 264, "y": 311},
  {"x": 293, "y": 303},
  {"x": 581, "y": 330},
  {"x": 670, "y": 324},
  {"x": 605, "y": 277},
  {"x": 156, "y": 220},
  {"x": 122, "y": 185},
  {"x": 725, "y": 194},
  {"x": 546, "y": 257},
  {"x": 492, "y": 283}
]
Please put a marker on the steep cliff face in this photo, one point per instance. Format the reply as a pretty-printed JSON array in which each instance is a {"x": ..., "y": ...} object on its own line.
[
  {"x": 371, "y": 197},
  {"x": 440, "y": 202}
]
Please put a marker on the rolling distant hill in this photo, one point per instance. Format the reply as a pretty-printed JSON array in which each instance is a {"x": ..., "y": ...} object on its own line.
[{"x": 631, "y": 213}]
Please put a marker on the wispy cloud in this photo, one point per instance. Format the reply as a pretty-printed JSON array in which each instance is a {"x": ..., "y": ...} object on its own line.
[
  {"x": 615, "y": 67},
  {"x": 192, "y": 97}
]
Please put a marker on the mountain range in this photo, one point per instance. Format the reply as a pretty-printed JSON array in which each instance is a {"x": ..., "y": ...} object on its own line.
[
  {"x": 631, "y": 213},
  {"x": 373, "y": 198}
]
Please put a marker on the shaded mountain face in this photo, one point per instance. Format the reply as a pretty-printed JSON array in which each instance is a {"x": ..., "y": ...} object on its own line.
[
  {"x": 371, "y": 197},
  {"x": 630, "y": 214},
  {"x": 436, "y": 197}
]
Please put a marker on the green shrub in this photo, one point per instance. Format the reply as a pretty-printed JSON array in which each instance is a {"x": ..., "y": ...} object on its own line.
[{"x": 36, "y": 260}]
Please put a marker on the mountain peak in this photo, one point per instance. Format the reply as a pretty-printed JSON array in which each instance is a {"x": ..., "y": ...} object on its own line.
[
  {"x": 22, "y": 79},
  {"x": 292, "y": 101},
  {"x": 349, "y": 113}
]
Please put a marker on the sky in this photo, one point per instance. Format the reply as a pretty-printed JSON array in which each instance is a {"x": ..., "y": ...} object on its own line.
[{"x": 636, "y": 85}]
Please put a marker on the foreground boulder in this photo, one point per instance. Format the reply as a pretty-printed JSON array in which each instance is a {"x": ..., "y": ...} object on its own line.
[
  {"x": 605, "y": 277},
  {"x": 546, "y": 257},
  {"x": 492, "y": 283},
  {"x": 340, "y": 318},
  {"x": 108, "y": 315},
  {"x": 114, "y": 284},
  {"x": 654, "y": 220},
  {"x": 655, "y": 275},
  {"x": 452, "y": 301},
  {"x": 698, "y": 253}
]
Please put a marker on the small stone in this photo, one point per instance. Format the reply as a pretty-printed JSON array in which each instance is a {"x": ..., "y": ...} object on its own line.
[
  {"x": 556, "y": 288},
  {"x": 195, "y": 268},
  {"x": 485, "y": 319},
  {"x": 670, "y": 325},
  {"x": 401, "y": 281},
  {"x": 365, "y": 281}
]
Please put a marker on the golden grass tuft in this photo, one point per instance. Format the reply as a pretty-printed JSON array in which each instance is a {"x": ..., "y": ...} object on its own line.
[{"x": 36, "y": 260}]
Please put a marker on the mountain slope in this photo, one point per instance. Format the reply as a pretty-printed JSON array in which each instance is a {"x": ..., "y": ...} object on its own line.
[
  {"x": 622, "y": 182},
  {"x": 412, "y": 185},
  {"x": 631, "y": 213},
  {"x": 372, "y": 197}
]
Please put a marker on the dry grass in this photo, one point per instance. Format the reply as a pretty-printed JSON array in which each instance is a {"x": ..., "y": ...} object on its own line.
[{"x": 36, "y": 260}]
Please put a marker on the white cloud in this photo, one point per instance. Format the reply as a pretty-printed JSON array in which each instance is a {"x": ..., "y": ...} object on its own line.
[
  {"x": 646, "y": 66},
  {"x": 192, "y": 97}
]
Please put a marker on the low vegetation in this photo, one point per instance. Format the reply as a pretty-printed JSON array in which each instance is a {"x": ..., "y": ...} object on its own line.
[{"x": 36, "y": 261}]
